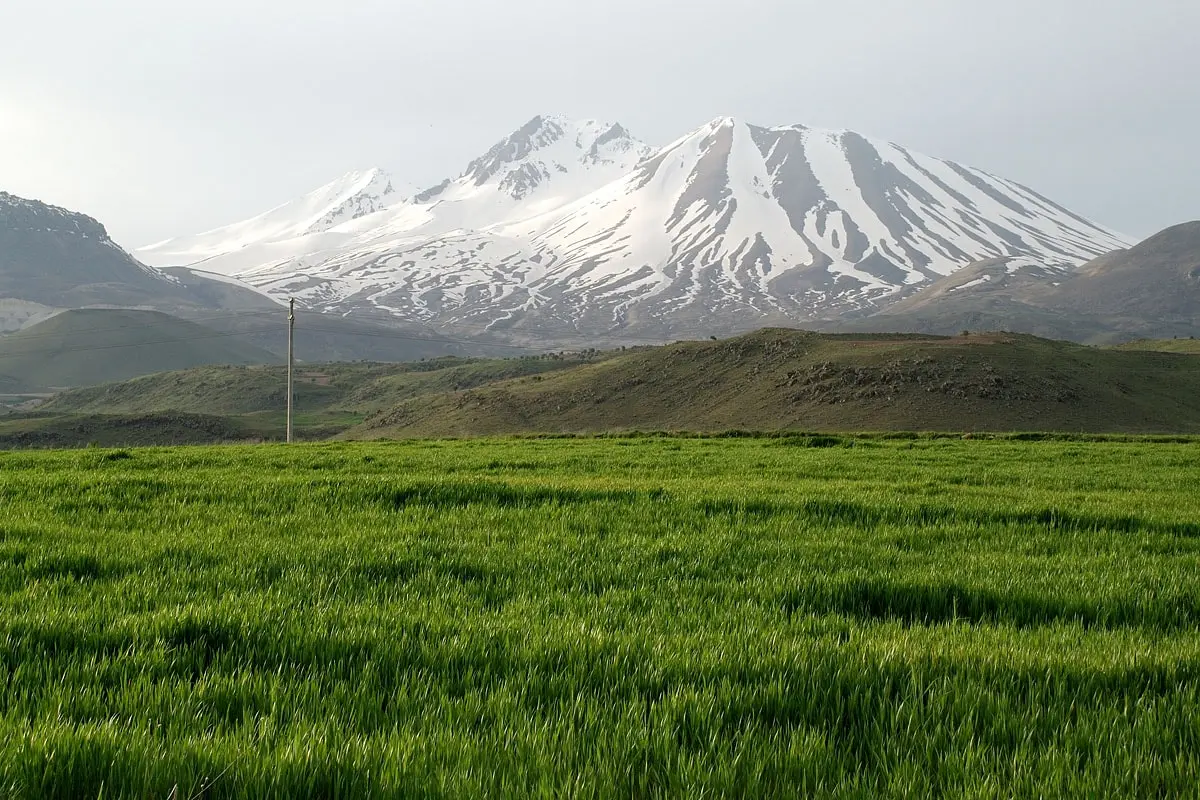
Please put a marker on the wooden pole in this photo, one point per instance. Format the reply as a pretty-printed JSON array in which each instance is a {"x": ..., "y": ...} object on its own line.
[{"x": 291, "y": 362}]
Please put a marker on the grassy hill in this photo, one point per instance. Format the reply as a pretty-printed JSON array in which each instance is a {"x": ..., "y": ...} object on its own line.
[
  {"x": 352, "y": 388},
  {"x": 249, "y": 401},
  {"x": 784, "y": 379},
  {"x": 86, "y": 347},
  {"x": 771, "y": 380}
]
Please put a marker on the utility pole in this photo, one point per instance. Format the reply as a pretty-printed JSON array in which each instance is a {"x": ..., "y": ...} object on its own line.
[{"x": 291, "y": 361}]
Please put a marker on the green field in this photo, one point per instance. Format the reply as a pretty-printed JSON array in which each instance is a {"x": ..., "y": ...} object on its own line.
[{"x": 623, "y": 617}]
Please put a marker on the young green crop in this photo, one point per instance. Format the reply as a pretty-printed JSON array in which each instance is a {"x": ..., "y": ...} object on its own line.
[{"x": 594, "y": 618}]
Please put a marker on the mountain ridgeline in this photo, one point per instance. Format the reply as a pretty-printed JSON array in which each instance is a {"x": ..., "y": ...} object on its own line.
[{"x": 58, "y": 258}]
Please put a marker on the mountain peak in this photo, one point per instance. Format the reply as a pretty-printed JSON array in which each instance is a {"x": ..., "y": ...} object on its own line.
[
  {"x": 356, "y": 194},
  {"x": 540, "y": 134},
  {"x": 351, "y": 196},
  {"x": 358, "y": 180},
  {"x": 548, "y": 150},
  {"x": 23, "y": 213}
]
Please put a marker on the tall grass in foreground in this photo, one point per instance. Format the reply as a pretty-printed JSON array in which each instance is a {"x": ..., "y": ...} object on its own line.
[{"x": 632, "y": 617}]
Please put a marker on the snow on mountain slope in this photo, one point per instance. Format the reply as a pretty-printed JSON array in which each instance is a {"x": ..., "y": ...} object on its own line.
[
  {"x": 578, "y": 226},
  {"x": 549, "y": 162},
  {"x": 795, "y": 220},
  {"x": 354, "y": 195}
]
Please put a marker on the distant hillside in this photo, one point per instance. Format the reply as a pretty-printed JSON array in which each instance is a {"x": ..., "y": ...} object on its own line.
[
  {"x": 321, "y": 337},
  {"x": 1154, "y": 284},
  {"x": 62, "y": 259},
  {"x": 18, "y": 314},
  {"x": 999, "y": 294},
  {"x": 56, "y": 257},
  {"x": 86, "y": 347},
  {"x": 324, "y": 338},
  {"x": 211, "y": 291},
  {"x": 785, "y": 379},
  {"x": 337, "y": 388},
  {"x": 1151, "y": 289}
]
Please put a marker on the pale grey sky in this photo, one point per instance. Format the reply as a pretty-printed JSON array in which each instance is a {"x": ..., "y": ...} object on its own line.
[{"x": 166, "y": 117}]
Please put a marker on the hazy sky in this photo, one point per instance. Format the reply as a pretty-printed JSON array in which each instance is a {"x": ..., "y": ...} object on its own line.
[{"x": 166, "y": 117}]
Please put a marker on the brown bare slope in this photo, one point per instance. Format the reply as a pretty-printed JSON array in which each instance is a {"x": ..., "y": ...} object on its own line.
[{"x": 780, "y": 379}]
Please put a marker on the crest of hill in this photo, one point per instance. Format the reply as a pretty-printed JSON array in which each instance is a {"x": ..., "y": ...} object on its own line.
[
  {"x": 779, "y": 379},
  {"x": 90, "y": 346},
  {"x": 1191, "y": 346}
]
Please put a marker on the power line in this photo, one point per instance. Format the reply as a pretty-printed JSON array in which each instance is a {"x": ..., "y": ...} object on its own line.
[
  {"x": 252, "y": 332},
  {"x": 547, "y": 343},
  {"x": 22, "y": 336},
  {"x": 383, "y": 317},
  {"x": 433, "y": 340},
  {"x": 546, "y": 336},
  {"x": 60, "y": 350}
]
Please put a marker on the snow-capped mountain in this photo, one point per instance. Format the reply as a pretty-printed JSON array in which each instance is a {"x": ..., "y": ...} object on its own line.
[
  {"x": 568, "y": 226},
  {"x": 789, "y": 216},
  {"x": 548, "y": 163},
  {"x": 354, "y": 195}
]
